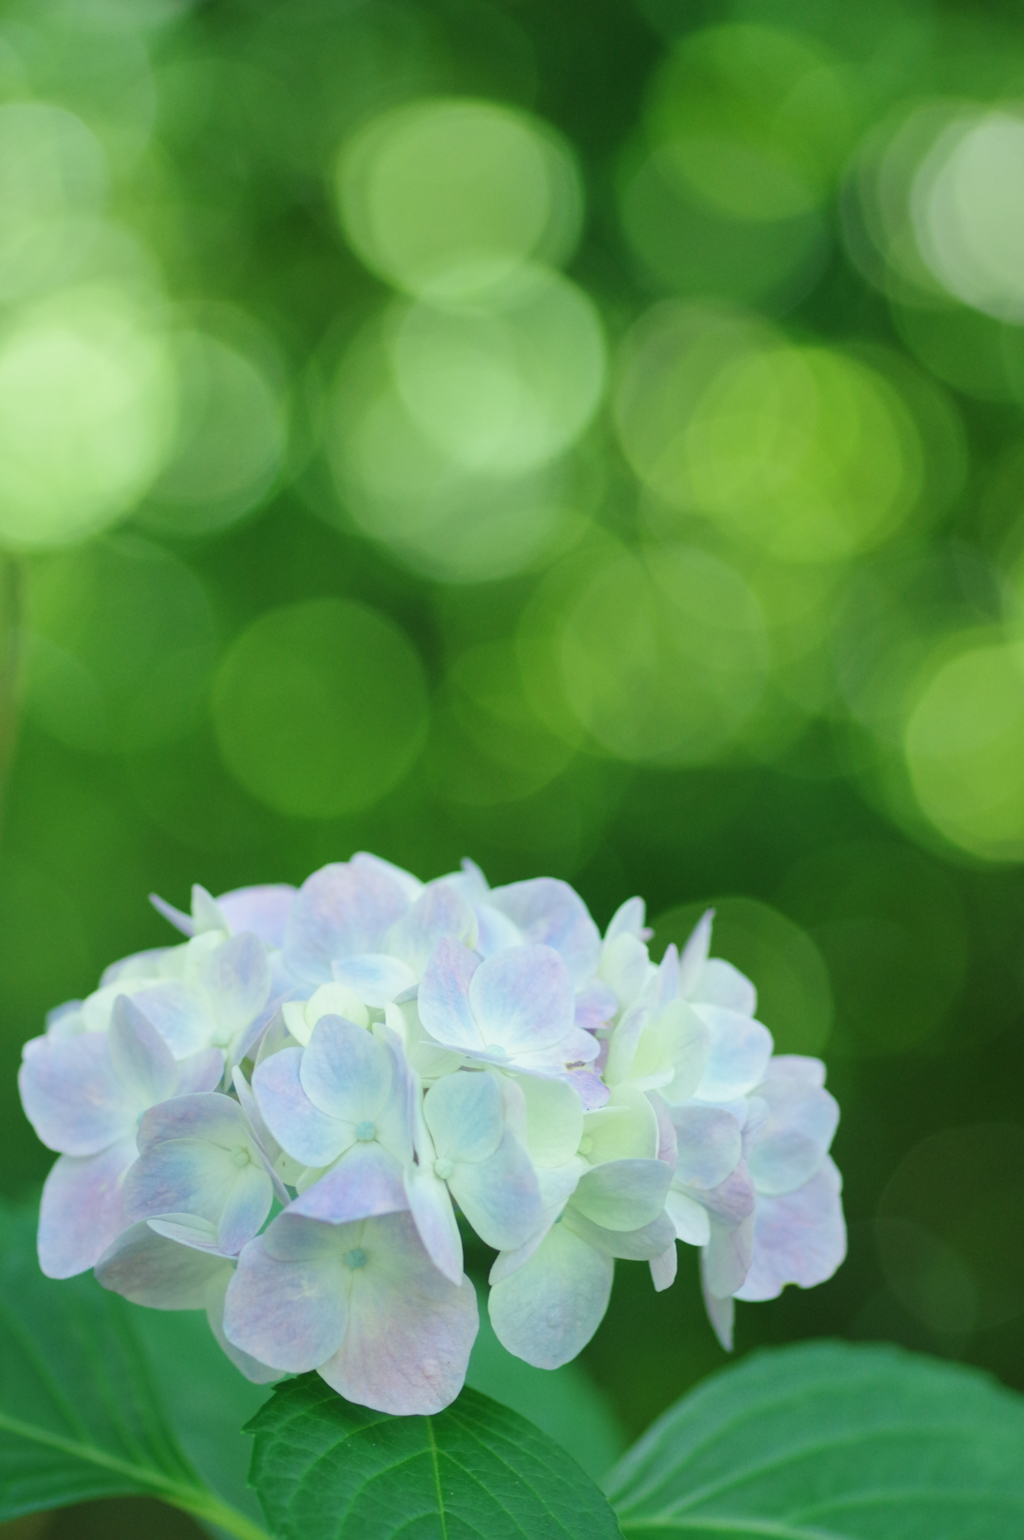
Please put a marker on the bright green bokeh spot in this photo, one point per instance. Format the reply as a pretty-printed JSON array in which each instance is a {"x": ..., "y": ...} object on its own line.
[
  {"x": 663, "y": 658},
  {"x": 794, "y": 996},
  {"x": 966, "y": 205},
  {"x": 506, "y": 389},
  {"x": 964, "y": 745},
  {"x": 402, "y": 489},
  {"x": 758, "y": 119},
  {"x": 86, "y": 417},
  {"x": 447, "y": 197},
  {"x": 320, "y": 708},
  {"x": 229, "y": 443},
  {"x": 119, "y": 646},
  {"x": 53, "y": 184},
  {"x": 803, "y": 453}
]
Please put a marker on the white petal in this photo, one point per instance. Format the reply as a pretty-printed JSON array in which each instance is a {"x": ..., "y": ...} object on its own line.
[
  {"x": 695, "y": 953},
  {"x": 721, "y": 1313},
  {"x": 151, "y": 1270},
  {"x": 689, "y": 1216},
  {"x": 796, "y": 1066},
  {"x": 624, "y": 1194},
  {"x": 687, "y": 1041},
  {"x": 664, "y": 1268},
  {"x": 547, "y": 1311},
  {"x": 639, "y": 1245},
  {"x": 722, "y": 984},
  {"x": 235, "y": 976},
  {"x": 216, "y": 1292},
  {"x": 626, "y": 1128},
  {"x": 625, "y": 966},
  {"x": 790, "y": 1143},
  {"x": 554, "y": 1119},
  {"x": 628, "y": 920}
]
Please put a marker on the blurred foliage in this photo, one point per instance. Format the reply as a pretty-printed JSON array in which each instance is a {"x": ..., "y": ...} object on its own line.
[{"x": 585, "y": 437}]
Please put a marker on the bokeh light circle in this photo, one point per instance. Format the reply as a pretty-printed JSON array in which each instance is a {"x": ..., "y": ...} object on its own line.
[
  {"x": 320, "y": 708},
  {"x": 229, "y": 443},
  {"x": 964, "y": 747},
  {"x": 967, "y": 206},
  {"x": 505, "y": 389},
  {"x": 447, "y": 197},
  {"x": 803, "y": 452},
  {"x": 86, "y": 416}
]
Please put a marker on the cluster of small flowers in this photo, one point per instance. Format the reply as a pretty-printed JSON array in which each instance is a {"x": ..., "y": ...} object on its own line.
[{"x": 357, "y": 1060}]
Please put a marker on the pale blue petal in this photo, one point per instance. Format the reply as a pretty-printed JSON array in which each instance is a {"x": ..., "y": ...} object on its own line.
[
  {"x": 236, "y": 978},
  {"x": 708, "y": 1145},
  {"x": 247, "y": 1206},
  {"x": 178, "y": 1013},
  {"x": 547, "y": 1311},
  {"x": 434, "y": 1217},
  {"x": 738, "y": 1056},
  {"x": 180, "y": 1176},
  {"x": 410, "y": 885},
  {"x": 410, "y": 1329},
  {"x": 465, "y": 1113},
  {"x": 263, "y": 910},
  {"x": 216, "y": 1293},
  {"x": 374, "y": 978},
  {"x": 500, "y": 1196},
  {"x": 664, "y": 1268},
  {"x": 151, "y": 1270},
  {"x": 291, "y": 1314},
  {"x": 440, "y": 911},
  {"x": 722, "y": 984},
  {"x": 81, "y": 1212},
  {"x": 628, "y": 920},
  {"x": 721, "y": 1312},
  {"x": 367, "y": 1181},
  {"x": 551, "y": 913},
  {"x": 142, "y": 1060},
  {"x": 443, "y": 1000},
  {"x": 201, "y": 1115},
  {"x": 341, "y": 911},
  {"x": 799, "y": 1237},
  {"x": 71, "y": 1095},
  {"x": 596, "y": 1004},
  {"x": 495, "y": 931},
  {"x": 180, "y": 921},
  {"x": 523, "y": 999},
  {"x": 345, "y": 1072},
  {"x": 788, "y": 1145},
  {"x": 303, "y": 1130},
  {"x": 201, "y": 1071},
  {"x": 727, "y": 1256}
]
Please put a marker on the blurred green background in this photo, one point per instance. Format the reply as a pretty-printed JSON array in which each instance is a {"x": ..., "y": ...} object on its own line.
[{"x": 587, "y": 437}]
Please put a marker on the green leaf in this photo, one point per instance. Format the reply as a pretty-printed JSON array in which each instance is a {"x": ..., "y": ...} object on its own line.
[
  {"x": 830, "y": 1442},
  {"x": 81, "y": 1415},
  {"x": 564, "y": 1403},
  {"x": 327, "y": 1470}
]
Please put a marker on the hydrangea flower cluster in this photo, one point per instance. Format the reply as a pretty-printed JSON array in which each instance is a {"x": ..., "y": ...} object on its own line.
[{"x": 281, "y": 1120}]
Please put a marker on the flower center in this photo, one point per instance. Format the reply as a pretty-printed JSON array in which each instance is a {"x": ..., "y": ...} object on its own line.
[
  {"x": 496, "y": 1051},
  {"x": 356, "y": 1257},
  {"x": 366, "y": 1131},
  {"x": 240, "y": 1157},
  {"x": 443, "y": 1169}
]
